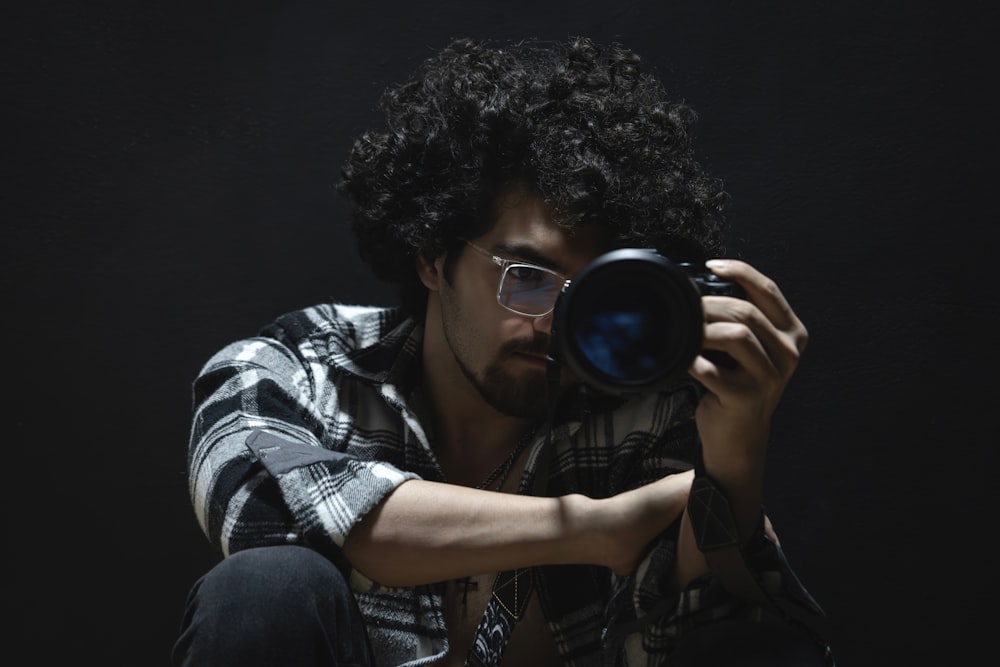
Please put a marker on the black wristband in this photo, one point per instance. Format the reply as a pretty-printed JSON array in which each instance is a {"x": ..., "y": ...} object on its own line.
[
  {"x": 718, "y": 538},
  {"x": 711, "y": 516}
]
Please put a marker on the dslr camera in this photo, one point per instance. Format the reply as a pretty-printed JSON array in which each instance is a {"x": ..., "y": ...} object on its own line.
[{"x": 631, "y": 321}]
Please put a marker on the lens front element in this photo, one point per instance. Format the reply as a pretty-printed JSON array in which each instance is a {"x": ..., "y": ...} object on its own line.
[{"x": 629, "y": 322}]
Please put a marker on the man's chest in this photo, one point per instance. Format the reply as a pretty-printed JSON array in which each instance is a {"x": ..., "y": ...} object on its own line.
[{"x": 531, "y": 643}]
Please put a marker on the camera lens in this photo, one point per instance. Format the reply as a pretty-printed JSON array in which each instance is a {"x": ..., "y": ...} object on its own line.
[{"x": 630, "y": 321}]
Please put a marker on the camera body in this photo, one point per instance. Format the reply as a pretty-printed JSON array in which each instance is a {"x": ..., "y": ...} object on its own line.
[{"x": 631, "y": 321}]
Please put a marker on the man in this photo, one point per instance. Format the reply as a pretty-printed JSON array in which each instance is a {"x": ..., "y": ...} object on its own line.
[{"x": 410, "y": 486}]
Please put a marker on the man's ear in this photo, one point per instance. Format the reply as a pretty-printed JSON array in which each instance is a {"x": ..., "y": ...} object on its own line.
[{"x": 430, "y": 270}]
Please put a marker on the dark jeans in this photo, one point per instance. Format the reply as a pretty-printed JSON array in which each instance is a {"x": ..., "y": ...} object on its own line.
[
  {"x": 289, "y": 605},
  {"x": 283, "y": 605}
]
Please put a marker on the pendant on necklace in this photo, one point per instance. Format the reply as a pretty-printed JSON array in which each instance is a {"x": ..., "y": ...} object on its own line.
[{"x": 466, "y": 583}]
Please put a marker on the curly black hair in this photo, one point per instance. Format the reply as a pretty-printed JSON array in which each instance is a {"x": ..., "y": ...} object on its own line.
[{"x": 580, "y": 124}]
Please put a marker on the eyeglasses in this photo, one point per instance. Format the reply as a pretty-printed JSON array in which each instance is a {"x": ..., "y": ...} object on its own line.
[{"x": 525, "y": 289}]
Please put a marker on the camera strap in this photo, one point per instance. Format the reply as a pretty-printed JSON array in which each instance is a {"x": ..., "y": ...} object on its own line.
[{"x": 718, "y": 538}]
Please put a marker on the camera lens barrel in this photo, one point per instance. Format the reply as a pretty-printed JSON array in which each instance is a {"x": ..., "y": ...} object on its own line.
[{"x": 631, "y": 321}]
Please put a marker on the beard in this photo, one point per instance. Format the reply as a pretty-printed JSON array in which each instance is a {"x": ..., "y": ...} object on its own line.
[{"x": 525, "y": 396}]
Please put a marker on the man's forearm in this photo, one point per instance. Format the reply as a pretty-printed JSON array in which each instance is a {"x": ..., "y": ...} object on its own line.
[{"x": 428, "y": 531}]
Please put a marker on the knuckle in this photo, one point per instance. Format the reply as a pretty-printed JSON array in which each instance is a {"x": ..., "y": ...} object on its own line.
[
  {"x": 801, "y": 337},
  {"x": 742, "y": 311},
  {"x": 771, "y": 288},
  {"x": 740, "y": 333}
]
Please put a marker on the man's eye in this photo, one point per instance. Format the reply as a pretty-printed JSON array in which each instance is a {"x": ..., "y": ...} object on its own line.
[{"x": 526, "y": 274}]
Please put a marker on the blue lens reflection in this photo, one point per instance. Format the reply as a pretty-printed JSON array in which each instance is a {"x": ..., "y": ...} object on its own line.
[{"x": 622, "y": 343}]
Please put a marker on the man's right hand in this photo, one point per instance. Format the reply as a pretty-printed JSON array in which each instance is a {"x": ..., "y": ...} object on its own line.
[{"x": 636, "y": 517}]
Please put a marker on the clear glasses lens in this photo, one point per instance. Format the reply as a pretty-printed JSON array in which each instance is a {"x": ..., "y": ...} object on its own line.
[{"x": 530, "y": 290}]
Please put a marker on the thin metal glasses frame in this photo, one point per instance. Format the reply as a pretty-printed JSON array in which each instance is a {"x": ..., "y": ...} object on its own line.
[{"x": 506, "y": 265}]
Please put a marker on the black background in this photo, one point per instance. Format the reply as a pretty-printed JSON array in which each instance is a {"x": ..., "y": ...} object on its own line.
[{"x": 168, "y": 188}]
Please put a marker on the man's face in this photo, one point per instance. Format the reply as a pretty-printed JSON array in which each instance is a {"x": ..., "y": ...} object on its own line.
[{"x": 502, "y": 353}]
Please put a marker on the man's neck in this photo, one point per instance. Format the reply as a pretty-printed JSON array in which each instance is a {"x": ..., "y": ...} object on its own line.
[
  {"x": 465, "y": 429},
  {"x": 469, "y": 436}
]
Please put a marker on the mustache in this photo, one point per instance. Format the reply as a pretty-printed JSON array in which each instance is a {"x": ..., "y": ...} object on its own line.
[{"x": 538, "y": 345}]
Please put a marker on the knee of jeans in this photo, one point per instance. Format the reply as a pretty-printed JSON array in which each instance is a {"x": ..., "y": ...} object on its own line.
[
  {"x": 268, "y": 606},
  {"x": 290, "y": 573}
]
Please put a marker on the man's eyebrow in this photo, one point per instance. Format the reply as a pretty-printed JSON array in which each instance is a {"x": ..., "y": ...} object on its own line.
[{"x": 528, "y": 254}]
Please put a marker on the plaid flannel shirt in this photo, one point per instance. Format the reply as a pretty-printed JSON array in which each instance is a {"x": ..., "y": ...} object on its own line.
[{"x": 301, "y": 430}]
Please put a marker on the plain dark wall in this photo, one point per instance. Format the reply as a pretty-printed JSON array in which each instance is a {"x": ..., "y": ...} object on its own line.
[{"x": 169, "y": 189}]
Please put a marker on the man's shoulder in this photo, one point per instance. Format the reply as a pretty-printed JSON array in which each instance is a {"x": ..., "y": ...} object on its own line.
[
  {"x": 345, "y": 326},
  {"x": 361, "y": 340}
]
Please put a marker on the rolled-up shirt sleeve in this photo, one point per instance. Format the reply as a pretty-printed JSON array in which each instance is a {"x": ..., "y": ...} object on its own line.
[{"x": 277, "y": 454}]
